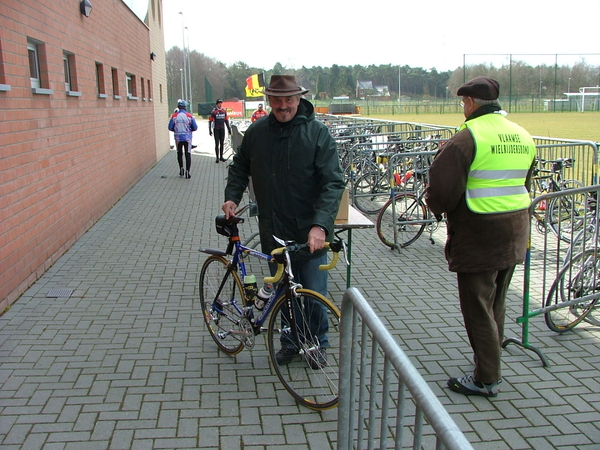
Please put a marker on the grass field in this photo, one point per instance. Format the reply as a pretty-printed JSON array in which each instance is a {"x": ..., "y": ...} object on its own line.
[{"x": 584, "y": 126}]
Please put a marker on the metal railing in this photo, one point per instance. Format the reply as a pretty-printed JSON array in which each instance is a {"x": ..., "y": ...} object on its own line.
[
  {"x": 366, "y": 382},
  {"x": 561, "y": 268}
]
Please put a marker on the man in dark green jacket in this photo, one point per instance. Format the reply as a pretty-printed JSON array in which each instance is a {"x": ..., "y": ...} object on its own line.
[{"x": 297, "y": 179}]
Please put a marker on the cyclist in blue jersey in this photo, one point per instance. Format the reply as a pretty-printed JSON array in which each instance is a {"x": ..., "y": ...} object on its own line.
[{"x": 183, "y": 124}]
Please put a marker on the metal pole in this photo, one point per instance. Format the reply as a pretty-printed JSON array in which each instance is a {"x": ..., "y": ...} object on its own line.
[
  {"x": 181, "y": 72},
  {"x": 189, "y": 74},
  {"x": 185, "y": 96},
  {"x": 399, "y": 91}
]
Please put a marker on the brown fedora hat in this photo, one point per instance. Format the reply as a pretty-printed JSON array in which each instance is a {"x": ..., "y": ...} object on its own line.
[{"x": 284, "y": 86}]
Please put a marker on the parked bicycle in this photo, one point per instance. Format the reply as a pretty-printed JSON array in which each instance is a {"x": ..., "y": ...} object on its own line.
[
  {"x": 560, "y": 215},
  {"x": 235, "y": 314},
  {"x": 575, "y": 292},
  {"x": 405, "y": 216}
]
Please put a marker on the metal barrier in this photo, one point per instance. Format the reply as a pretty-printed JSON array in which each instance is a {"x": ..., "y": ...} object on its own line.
[
  {"x": 584, "y": 153},
  {"x": 351, "y": 428},
  {"x": 561, "y": 264}
]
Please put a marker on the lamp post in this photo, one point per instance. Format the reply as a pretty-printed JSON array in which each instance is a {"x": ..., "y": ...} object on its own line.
[
  {"x": 569, "y": 85},
  {"x": 184, "y": 60},
  {"x": 181, "y": 72},
  {"x": 189, "y": 70}
]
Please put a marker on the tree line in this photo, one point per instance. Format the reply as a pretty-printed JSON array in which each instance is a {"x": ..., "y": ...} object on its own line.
[{"x": 522, "y": 79}]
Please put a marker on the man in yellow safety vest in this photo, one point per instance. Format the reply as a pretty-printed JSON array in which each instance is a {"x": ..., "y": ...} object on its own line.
[{"x": 480, "y": 180}]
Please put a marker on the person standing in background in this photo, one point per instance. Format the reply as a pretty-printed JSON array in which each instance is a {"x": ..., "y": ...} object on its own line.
[
  {"x": 217, "y": 121},
  {"x": 260, "y": 112}
]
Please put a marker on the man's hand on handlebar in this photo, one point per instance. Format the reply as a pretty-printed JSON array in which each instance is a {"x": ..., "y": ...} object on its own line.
[{"x": 316, "y": 239}]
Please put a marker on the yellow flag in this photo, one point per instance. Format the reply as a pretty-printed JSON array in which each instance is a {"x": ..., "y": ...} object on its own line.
[{"x": 253, "y": 92}]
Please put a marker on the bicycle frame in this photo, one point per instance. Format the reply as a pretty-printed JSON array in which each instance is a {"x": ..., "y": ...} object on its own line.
[{"x": 237, "y": 263}]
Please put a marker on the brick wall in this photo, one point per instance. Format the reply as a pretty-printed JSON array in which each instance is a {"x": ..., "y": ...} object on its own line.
[{"x": 67, "y": 158}]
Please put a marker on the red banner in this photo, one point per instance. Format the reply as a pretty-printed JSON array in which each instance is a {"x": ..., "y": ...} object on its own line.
[{"x": 234, "y": 109}]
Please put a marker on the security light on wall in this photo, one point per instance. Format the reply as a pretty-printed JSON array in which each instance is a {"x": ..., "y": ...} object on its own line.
[
  {"x": 86, "y": 7},
  {"x": 152, "y": 56}
]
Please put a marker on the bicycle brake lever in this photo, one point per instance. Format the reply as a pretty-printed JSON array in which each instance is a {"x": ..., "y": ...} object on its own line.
[{"x": 345, "y": 253}]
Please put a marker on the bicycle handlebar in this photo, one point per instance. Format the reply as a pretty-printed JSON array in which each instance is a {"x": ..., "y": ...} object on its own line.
[{"x": 334, "y": 246}]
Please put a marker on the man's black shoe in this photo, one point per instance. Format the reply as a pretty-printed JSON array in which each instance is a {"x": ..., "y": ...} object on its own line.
[{"x": 286, "y": 355}]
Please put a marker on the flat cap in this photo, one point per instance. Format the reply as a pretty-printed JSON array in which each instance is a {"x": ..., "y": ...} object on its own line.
[{"x": 481, "y": 87}]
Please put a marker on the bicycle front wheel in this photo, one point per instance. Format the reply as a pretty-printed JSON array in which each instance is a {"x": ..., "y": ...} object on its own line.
[
  {"x": 408, "y": 223},
  {"x": 577, "y": 279},
  {"x": 222, "y": 299},
  {"x": 311, "y": 335},
  {"x": 371, "y": 191}
]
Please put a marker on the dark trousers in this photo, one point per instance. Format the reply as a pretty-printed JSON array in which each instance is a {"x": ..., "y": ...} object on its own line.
[
  {"x": 184, "y": 146},
  {"x": 219, "y": 142},
  {"x": 483, "y": 305}
]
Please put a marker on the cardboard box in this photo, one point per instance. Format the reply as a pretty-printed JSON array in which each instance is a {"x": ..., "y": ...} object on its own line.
[{"x": 344, "y": 210}]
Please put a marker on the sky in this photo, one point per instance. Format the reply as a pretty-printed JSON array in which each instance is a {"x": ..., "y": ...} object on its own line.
[{"x": 430, "y": 34}]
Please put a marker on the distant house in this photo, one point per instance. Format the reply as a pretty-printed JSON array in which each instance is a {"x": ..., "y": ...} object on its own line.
[{"x": 364, "y": 88}]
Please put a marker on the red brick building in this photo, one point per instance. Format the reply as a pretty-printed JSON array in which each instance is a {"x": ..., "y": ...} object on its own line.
[{"x": 83, "y": 116}]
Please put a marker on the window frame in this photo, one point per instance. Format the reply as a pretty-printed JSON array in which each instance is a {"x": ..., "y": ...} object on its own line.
[{"x": 34, "y": 64}]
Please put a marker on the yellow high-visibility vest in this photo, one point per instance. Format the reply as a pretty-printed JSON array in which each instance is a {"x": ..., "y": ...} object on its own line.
[{"x": 504, "y": 152}]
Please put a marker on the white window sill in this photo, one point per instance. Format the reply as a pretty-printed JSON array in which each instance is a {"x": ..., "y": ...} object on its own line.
[{"x": 42, "y": 91}]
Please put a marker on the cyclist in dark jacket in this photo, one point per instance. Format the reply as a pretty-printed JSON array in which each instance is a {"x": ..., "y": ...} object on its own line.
[
  {"x": 297, "y": 180},
  {"x": 217, "y": 121}
]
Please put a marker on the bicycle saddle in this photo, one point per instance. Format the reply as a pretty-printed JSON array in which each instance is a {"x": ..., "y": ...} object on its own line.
[{"x": 227, "y": 227}]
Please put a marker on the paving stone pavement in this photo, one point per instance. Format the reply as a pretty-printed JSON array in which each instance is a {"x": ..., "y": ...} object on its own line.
[{"x": 124, "y": 362}]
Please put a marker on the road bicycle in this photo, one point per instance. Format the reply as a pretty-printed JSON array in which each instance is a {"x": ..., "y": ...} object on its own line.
[
  {"x": 405, "y": 216},
  {"x": 561, "y": 214},
  {"x": 235, "y": 315},
  {"x": 575, "y": 292}
]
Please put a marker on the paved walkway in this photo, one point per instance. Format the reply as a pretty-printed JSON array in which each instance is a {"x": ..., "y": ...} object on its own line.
[{"x": 118, "y": 357}]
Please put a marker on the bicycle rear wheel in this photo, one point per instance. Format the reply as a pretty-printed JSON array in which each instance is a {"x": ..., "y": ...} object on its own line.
[
  {"x": 408, "y": 223},
  {"x": 577, "y": 279},
  {"x": 222, "y": 299},
  {"x": 312, "y": 376},
  {"x": 566, "y": 215}
]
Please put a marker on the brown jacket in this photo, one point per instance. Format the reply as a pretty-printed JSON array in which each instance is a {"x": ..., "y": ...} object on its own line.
[{"x": 475, "y": 242}]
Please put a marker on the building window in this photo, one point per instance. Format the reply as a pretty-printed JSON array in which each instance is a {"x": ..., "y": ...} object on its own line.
[
  {"x": 160, "y": 94},
  {"x": 143, "y": 85},
  {"x": 3, "y": 87},
  {"x": 100, "y": 86},
  {"x": 38, "y": 68},
  {"x": 70, "y": 75},
  {"x": 149, "y": 91},
  {"x": 34, "y": 64},
  {"x": 131, "y": 87},
  {"x": 115, "y": 83}
]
